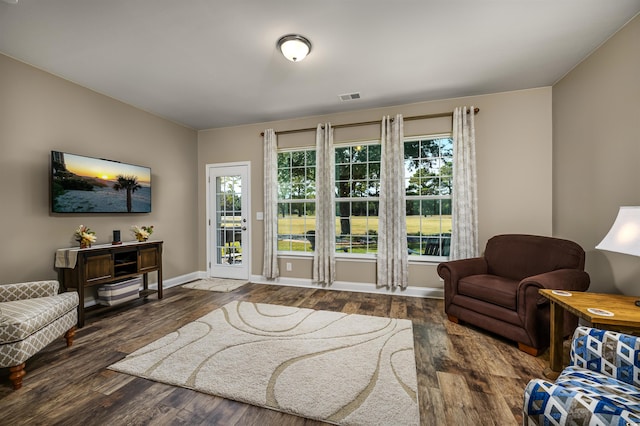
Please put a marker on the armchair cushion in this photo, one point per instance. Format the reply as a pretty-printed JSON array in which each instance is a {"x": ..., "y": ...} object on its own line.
[
  {"x": 490, "y": 288},
  {"x": 599, "y": 387},
  {"x": 21, "y": 318}
]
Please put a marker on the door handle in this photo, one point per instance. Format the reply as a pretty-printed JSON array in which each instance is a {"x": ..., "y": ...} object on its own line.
[{"x": 244, "y": 228}]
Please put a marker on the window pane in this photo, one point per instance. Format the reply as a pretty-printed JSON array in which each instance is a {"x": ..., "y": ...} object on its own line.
[
  {"x": 311, "y": 158},
  {"x": 343, "y": 189},
  {"x": 374, "y": 152},
  {"x": 359, "y": 189},
  {"x": 445, "y": 186},
  {"x": 298, "y": 158},
  {"x": 446, "y": 209},
  {"x": 359, "y": 171},
  {"x": 284, "y": 159},
  {"x": 373, "y": 188},
  {"x": 374, "y": 171},
  {"x": 446, "y": 147},
  {"x": 411, "y": 150},
  {"x": 342, "y": 155},
  {"x": 429, "y": 148},
  {"x": 359, "y": 154},
  {"x": 343, "y": 172}
]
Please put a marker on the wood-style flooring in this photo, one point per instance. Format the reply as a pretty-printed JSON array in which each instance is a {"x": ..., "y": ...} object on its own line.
[{"x": 465, "y": 376}]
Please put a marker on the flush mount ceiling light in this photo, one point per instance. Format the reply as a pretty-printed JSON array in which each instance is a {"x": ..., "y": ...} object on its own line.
[{"x": 294, "y": 47}]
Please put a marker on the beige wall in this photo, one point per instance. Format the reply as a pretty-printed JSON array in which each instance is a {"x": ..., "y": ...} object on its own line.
[
  {"x": 596, "y": 134},
  {"x": 39, "y": 113},
  {"x": 513, "y": 134}
]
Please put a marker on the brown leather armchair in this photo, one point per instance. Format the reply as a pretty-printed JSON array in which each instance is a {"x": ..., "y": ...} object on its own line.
[{"x": 499, "y": 291}]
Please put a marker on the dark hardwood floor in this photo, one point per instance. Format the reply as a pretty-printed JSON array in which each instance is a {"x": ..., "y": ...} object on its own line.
[{"x": 465, "y": 376}]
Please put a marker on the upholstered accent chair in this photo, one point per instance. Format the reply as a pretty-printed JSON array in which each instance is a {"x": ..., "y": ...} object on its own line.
[
  {"x": 32, "y": 315},
  {"x": 498, "y": 292},
  {"x": 601, "y": 386}
]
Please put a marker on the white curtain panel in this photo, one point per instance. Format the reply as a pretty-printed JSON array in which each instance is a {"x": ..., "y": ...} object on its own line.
[
  {"x": 324, "y": 256},
  {"x": 464, "y": 232},
  {"x": 392, "y": 258},
  {"x": 270, "y": 263}
]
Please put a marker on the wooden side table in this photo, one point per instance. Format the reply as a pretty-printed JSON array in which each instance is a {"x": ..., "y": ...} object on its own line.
[
  {"x": 103, "y": 264},
  {"x": 606, "y": 311}
]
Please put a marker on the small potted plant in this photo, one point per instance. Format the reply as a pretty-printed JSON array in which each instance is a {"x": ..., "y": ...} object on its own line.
[
  {"x": 142, "y": 233},
  {"x": 85, "y": 236}
]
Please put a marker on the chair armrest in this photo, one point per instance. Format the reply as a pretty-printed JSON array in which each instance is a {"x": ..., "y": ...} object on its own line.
[
  {"x": 451, "y": 272},
  {"x": 561, "y": 279},
  {"x": 456, "y": 269},
  {"x": 28, "y": 290},
  {"x": 608, "y": 352}
]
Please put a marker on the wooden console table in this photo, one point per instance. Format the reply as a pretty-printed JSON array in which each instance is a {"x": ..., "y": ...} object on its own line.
[
  {"x": 625, "y": 318},
  {"x": 108, "y": 263}
]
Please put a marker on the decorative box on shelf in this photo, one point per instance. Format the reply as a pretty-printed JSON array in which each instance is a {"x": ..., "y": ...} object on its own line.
[{"x": 119, "y": 292}]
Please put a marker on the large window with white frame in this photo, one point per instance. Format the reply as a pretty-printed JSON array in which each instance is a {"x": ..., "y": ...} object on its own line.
[
  {"x": 428, "y": 186},
  {"x": 357, "y": 177},
  {"x": 296, "y": 200},
  {"x": 427, "y": 181}
]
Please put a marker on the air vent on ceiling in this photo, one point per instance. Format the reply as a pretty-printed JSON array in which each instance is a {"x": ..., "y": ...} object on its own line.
[{"x": 349, "y": 96}]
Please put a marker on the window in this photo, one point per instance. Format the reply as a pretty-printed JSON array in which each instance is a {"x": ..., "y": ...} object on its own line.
[
  {"x": 428, "y": 184},
  {"x": 296, "y": 200},
  {"x": 357, "y": 176}
]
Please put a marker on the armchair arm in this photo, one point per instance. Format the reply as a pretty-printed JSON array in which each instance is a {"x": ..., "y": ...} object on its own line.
[
  {"x": 28, "y": 290},
  {"x": 560, "y": 279},
  {"x": 533, "y": 308},
  {"x": 451, "y": 272},
  {"x": 456, "y": 269},
  {"x": 608, "y": 352}
]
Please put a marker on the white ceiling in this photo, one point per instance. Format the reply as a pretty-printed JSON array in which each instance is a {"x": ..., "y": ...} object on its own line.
[{"x": 214, "y": 63}]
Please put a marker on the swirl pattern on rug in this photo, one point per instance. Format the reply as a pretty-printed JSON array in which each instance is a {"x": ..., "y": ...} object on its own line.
[{"x": 340, "y": 368}]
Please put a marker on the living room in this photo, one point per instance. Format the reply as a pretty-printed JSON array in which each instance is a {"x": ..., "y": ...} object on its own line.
[{"x": 556, "y": 160}]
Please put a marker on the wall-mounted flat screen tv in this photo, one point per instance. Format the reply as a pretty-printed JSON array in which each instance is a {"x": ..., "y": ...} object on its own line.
[{"x": 82, "y": 184}]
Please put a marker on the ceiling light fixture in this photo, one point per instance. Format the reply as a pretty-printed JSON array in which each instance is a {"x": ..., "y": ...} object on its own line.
[{"x": 294, "y": 47}]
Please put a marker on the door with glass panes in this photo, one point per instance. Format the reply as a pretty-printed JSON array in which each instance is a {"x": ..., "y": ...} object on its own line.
[{"x": 228, "y": 221}]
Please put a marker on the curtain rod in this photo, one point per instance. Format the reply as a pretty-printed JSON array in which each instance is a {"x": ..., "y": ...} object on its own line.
[{"x": 367, "y": 123}]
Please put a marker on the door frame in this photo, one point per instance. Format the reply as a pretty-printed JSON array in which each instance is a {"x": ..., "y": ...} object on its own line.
[{"x": 210, "y": 215}]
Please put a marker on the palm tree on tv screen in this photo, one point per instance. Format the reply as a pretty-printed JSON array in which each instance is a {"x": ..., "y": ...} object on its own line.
[{"x": 128, "y": 183}]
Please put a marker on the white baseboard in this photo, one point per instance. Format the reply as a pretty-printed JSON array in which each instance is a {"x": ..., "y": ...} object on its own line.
[{"x": 410, "y": 291}]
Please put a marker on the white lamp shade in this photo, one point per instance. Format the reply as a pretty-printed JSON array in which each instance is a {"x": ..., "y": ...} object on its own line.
[
  {"x": 295, "y": 48},
  {"x": 624, "y": 235}
]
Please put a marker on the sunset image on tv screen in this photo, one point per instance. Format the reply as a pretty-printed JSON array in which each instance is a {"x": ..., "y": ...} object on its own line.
[{"x": 82, "y": 184}]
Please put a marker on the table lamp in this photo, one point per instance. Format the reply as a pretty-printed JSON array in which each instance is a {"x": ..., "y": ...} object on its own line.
[{"x": 624, "y": 235}]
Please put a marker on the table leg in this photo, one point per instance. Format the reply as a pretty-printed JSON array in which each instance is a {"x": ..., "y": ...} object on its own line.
[{"x": 555, "y": 341}]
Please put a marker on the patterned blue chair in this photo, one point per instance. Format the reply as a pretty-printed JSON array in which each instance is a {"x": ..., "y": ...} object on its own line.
[{"x": 600, "y": 387}]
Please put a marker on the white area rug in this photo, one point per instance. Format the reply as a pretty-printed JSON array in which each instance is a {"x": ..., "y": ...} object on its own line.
[
  {"x": 216, "y": 284},
  {"x": 330, "y": 366}
]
